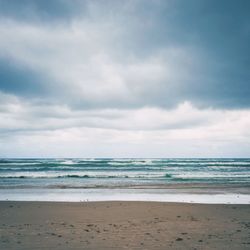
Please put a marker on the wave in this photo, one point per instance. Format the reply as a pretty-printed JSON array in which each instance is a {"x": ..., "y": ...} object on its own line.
[
  {"x": 45, "y": 164},
  {"x": 62, "y": 176},
  {"x": 86, "y": 175},
  {"x": 81, "y": 168},
  {"x": 132, "y": 175},
  {"x": 74, "y": 176},
  {"x": 120, "y": 171},
  {"x": 213, "y": 175}
]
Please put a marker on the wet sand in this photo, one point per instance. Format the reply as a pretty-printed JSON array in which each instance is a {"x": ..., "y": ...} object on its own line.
[{"x": 123, "y": 225}]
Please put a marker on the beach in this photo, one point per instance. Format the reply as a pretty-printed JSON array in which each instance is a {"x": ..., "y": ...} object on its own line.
[
  {"x": 124, "y": 204},
  {"x": 123, "y": 225}
]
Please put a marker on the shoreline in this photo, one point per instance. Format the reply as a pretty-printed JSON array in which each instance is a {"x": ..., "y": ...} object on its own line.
[
  {"x": 123, "y": 225},
  {"x": 203, "y": 196},
  {"x": 141, "y": 186}
]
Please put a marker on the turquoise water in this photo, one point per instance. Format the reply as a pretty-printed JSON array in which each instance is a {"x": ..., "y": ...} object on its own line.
[{"x": 90, "y": 173}]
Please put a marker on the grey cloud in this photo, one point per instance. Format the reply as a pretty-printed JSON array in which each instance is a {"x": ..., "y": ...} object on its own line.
[
  {"x": 199, "y": 47},
  {"x": 21, "y": 81},
  {"x": 40, "y": 10},
  {"x": 219, "y": 33}
]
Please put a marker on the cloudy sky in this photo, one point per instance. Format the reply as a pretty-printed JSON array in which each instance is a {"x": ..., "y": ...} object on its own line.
[{"x": 134, "y": 78}]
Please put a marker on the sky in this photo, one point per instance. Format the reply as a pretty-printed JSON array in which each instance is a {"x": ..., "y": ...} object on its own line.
[{"x": 135, "y": 78}]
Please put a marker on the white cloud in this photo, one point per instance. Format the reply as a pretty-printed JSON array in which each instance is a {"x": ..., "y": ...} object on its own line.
[{"x": 183, "y": 131}]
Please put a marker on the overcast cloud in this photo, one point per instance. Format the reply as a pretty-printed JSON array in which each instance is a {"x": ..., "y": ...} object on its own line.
[{"x": 134, "y": 78}]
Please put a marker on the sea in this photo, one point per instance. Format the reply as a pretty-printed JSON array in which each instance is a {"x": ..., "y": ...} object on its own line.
[{"x": 172, "y": 180}]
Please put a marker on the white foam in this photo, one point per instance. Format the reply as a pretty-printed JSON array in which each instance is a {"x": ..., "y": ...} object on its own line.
[{"x": 96, "y": 174}]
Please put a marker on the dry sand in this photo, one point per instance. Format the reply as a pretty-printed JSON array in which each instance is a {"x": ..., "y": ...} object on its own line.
[{"x": 123, "y": 225}]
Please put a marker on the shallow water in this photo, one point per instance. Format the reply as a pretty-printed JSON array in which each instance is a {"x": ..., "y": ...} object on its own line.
[{"x": 160, "y": 195}]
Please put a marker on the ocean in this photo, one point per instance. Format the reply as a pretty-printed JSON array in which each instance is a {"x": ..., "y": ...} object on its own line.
[{"x": 94, "y": 179}]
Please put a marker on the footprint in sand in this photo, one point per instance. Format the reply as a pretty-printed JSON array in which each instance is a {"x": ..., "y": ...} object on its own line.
[{"x": 178, "y": 239}]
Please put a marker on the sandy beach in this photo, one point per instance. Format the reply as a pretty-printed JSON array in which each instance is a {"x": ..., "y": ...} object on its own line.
[{"x": 123, "y": 225}]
